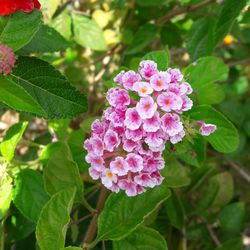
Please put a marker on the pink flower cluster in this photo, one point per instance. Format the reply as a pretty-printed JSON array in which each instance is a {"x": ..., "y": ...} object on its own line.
[
  {"x": 7, "y": 59},
  {"x": 126, "y": 145}
]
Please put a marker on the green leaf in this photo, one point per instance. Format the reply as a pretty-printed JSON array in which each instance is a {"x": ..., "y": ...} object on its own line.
[
  {"x": 230, "y": 10},
  {"x": 202, "y": 75},
  {"x": 75, "y": 142},
  {"x": 49, "y": 150},
  {"x": 88, "y": 33},
  {"x": 171, "y": 35},
  {"x": 29, "y": 194},
  {"x": 191, "y": 153},
  {"x": 18, "y": 29},
  {"x": 231, "y": 109},
  {"x": 18, "y": 226},
  {"x": 199, "y": 175},
  {"x": 161, "y": 57},
  {"x": 53, "y": 221},
  {"x": 226, "y": 188},
  {"x": 62, "y": 24},
  {"x": 175, "y": 211},
  {"x": 71, "y": 248},
  {"x": 217, "y": 192},
  {"x": 59, "y": 127},
  {"x": 231, "y": 217},
  {"x": 175, "y": 173},
  {"x": 10, "y": 140},
  {"x": 246, "y": 17},
  {"x": 48, "y": 88},
  {"x": 143, "y": 238},
  {"x": 5, "y": 195},
  {"x": 45, "y": 40},
  {"x": 151, "y": 2},
  {"x": 17, "y": 98},
  {"x": 210, "y": 93},
  {"x": 62, "y": 172},
  {"x": 207, "y": 32},
  {"x": 233, "y": 244},
  {"x": 225, "y": 139},
  {"x": 122, "y": 214},
  {"x": 207, "y": 197},
  {"x": 143, "y": 37},
  {"x": 200, "y": 38},
  {"x": 206, "y": 70},
  {"x": 49, "y": 7}
]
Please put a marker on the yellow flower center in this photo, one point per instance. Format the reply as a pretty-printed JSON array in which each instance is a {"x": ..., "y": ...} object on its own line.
[
  {"x": 109, "y": 175},
  {"x": 143, "y": 90}
]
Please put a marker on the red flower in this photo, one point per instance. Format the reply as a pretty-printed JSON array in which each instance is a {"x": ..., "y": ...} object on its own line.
[{"x": 8, "y": 7}]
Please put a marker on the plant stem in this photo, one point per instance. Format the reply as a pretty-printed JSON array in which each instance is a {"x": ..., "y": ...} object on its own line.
[
  {"x": 27, "y": 163},
  {"x": 241, "y": 170},
  {"x": 90, "y": 234},
  {"x": 88, "y": 206},
  {"x": 183, "y": 10},
  {"x": 184, "y": 239},
  {"x": 80, "y": 220},
  {"x": 2, "y": 234},
  {"x": 211, "y": 232}
]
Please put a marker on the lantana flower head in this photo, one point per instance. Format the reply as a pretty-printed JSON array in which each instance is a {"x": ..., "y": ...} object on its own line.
[
  {"x": 8, "y": 7},
  {"x": 7, "y": 59},
  {"x": 126, "y": 145}
]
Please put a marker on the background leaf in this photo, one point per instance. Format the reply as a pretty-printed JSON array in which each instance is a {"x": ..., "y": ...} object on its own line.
[
  {"x": 29, "y": 194},
  {"x": 226, "y": 188},
  {"x": 87, "y": 33},
  {"x": 161, "y": 57},
  {"x": 151, "y": 2},
  {"x": 53, "y": 221},
  {"x": 231, "y": 217},
  {"x": 11, "y": 138},
  {"x": 5, "y": 195},
  {"x": 233, "y": 244},
  {"x": 229, "y": 12},
  {"x": 175, "y": 211},
  {"x": 49, "y": 7},
  {"x": 143, "y": 37},
  {"x": 71, "y": 248},
  {"x": 61, "y": 172},
  {"x": 200, "y": 38}
]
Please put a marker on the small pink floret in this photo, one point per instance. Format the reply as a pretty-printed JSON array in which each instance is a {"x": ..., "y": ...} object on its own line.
[
  {"x": 160, "y": 81},
  {"x": 147, "y": 68},
  {"x": 135, "y": 162},
  {"x": 146, "y": 107},
  {"x": 143, "y": 88},
  {"x": 132, "y": 119},
  {"x": 7, "y": 59},
  {"x": 169, "y": 101},
  {"x": 119, "y": 166},
  {"x": 207, "y": 129}
]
